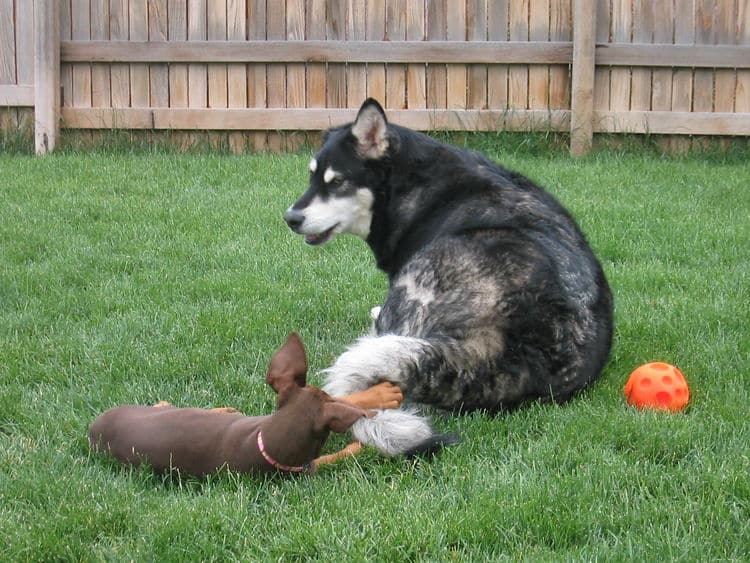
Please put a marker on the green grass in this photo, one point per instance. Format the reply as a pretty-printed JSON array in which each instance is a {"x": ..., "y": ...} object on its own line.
[{"x": 157, "y": 276}]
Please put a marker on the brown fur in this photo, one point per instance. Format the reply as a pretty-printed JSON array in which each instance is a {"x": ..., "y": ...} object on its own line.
[{"x": 200, "y": 441}]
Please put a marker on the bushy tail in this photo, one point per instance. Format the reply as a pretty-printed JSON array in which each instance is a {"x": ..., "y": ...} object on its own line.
[
  {"x": 393, "y": 431},
  {"x": 393, "y": 358}
]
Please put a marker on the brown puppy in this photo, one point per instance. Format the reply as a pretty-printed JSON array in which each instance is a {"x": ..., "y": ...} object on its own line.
[{"x": 200, "y": 441}]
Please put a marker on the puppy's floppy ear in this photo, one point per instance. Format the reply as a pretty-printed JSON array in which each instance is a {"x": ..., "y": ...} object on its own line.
[
  {"x": 339, "y": 416},
  {"x": 371, "y": 130},
  {"x": 288, "y": 366}
]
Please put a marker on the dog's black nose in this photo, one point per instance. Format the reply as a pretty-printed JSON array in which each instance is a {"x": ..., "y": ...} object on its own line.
[{"x": 294, "y": 218}]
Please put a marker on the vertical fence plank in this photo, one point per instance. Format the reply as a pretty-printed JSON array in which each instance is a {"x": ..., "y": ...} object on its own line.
[
  {"x": 395, "y": 78},
  {"x": 376, "y": 32},
  {"x": 582, "y": 103},
  {"x": 237, "y": 72},
  {"x": 25, "y": 42},
  {"x": 139, "y": 76},
  {"x": 725, "y": 81},
  {"x": 7, "y": 43},
  {"x": 66, "y": 70},
  {"x": 622, "y": 27},
  {"x": 643, "y": 32},
  {"x": 539, "y": 74},
  {"x": 216, "y": 30},
  {"x": 119, "y": 72},
  {"x": 336, "y": 74},
  {"x": 476, "y": 25},
  {"x": 703, "y": 79},
  {"x": 218, "y": 87},
  {"x": 437, "y": 24},
  {"x": 742, "y": 92},
  {"x": 197, "y": 73},
  {"x": 276, "y": 73},
  {"x": 178, "y": 73},
  {"x": 295, "y": 72},
  {"x": 356, "y": 74},
  {"x": 682, "y": 78},
  {"x": 158, "y": 73},
  {"x": 661, "y": 81},
  {"x": 456, "y": 77},
  {"x": 46, "y": 74},
  {"x": 559, "y": 76},
  {"x": 177, "y": 30},
  {"x": 416, "y": 95},
  {"x": 316, "y": 72},
  {"x": 257, "y": 96},
  {"x": 497, "y": 75},
  {"x": 80, "y": 27},
  {"x": 101, "y": 95},
  {"x": 602, "y": 76},
  {"x": 518, "y": 75},
  {"x": 24, "y": 56}
]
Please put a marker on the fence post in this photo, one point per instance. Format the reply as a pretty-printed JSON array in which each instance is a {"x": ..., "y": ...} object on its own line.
[
  {"x": 582, "y": 96},
  {"x": 46, "y": 74}
]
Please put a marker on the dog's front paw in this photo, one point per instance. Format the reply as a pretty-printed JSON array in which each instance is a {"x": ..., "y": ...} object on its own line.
[
  {"x": 161, "y": 404},
  {"x": 375, "y": 312}
]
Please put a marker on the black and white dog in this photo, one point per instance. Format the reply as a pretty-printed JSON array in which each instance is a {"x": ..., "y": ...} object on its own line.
[{"x": 495, "y": 296}]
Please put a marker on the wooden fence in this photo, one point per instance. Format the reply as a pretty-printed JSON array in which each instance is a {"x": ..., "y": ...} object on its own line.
[{"x": 251, "y": 67}]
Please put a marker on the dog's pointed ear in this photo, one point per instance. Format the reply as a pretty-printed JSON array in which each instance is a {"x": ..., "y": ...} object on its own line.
[
  {"x": 371, "y": 130},
  {"x": 288, "y": 366},
  {"x": 339, "y": 416}
]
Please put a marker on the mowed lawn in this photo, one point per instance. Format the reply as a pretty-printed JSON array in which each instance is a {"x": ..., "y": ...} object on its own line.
[{"x": 134, "y": 278}]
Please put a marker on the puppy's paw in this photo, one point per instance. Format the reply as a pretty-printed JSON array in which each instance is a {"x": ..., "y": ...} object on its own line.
[{"x": 161, "y": 404}]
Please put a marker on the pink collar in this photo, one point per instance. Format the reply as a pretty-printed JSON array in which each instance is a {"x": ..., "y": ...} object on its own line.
[{"x": 276, "y": 464}]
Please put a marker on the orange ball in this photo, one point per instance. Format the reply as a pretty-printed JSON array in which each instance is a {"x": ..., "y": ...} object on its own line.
[{"x": 657, "y": 385}]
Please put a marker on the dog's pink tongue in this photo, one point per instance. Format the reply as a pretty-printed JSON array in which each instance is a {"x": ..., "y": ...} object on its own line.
[
  {"x": 313, "y": 240},
  {"x": 320, "y": 238}
]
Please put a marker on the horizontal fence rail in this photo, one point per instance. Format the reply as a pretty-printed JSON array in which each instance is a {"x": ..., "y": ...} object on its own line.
[
  {"x": 253, "y": 67},
  {"x": 313, "y": 119},
  {"x": 308, "y": 51},
  {"x": 417, "y": 52}
]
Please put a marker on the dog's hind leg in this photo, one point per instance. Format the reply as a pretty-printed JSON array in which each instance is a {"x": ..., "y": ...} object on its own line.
[{"x": 373, "y": 359}]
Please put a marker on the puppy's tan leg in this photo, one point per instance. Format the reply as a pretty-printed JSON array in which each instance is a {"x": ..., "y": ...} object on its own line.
[
  {"x": 161, "y": 404},
  {"x": 352, "y": 449},
  {"x": 384, "y": 395}
]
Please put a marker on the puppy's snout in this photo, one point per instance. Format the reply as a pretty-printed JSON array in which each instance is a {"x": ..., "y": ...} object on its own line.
[{"x": 294, "y": 219}]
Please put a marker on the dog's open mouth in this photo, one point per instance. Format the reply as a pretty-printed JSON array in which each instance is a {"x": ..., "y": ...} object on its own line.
[{"x": 320, "y": 238}]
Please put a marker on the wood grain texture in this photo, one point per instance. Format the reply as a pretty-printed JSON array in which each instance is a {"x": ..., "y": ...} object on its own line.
[
  {"x": 416, "y": 73},
  {"x": 497, "y": 74},
  {"x": 518, "y": 75},
  {"x": 7, "y": 43},
  {"x": 582, "y": 102},
  {"x": 455, "y": 59}
]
